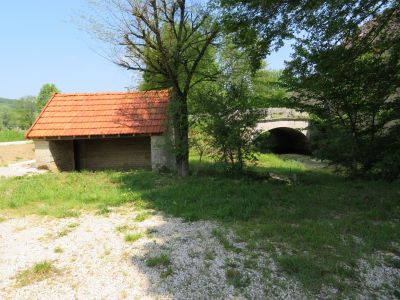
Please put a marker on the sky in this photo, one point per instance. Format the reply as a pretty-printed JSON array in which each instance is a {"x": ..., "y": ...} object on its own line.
[{"x": 41, "y": 43}]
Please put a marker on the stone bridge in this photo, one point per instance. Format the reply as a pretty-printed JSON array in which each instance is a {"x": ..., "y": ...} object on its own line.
[{"x": 288, "y": 128}]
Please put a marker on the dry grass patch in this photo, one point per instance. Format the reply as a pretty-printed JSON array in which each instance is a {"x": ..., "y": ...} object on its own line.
[{"x": 38, "y": 272}]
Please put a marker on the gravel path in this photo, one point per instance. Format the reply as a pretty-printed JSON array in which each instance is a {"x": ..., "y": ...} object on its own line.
[
  {"x": 15, "y": 143},
  {"x": 97, "y": 263}
]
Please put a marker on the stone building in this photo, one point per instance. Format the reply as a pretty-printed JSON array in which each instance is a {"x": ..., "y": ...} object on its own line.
[{"x": 100, "y": 131}]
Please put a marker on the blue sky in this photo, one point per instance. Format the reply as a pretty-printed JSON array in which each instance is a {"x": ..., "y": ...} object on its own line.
[{"x": 41, "y": 43}]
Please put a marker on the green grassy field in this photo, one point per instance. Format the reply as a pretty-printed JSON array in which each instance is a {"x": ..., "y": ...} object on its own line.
[
  {"x": 316, "y": 227},
  {"x": 11, "y": 135}
]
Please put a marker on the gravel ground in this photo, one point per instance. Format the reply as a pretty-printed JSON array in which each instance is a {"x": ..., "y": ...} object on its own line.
[
  {"x": 20, "y": 169},
  {"x": 12, "y": 152},
  {"x": 97, "y": 263},
  {"x": 94, "y": 261}
]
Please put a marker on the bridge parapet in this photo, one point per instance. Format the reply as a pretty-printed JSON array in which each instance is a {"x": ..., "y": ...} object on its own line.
[
  {"x": 277, "y": 117},
  {"x": 274, "y": 113}
]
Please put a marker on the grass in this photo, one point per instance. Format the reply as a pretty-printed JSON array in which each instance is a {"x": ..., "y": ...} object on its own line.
[
  {"x": 236, "y": 278},
  {"x": 316, "y": 229},
  {"x": 11, "y": 136},
  {"x": 58, "y": 250},
  {"x": 133, "y": 237},
  {"x": 161, "y": 260},
  {"x": 38, "y": 272},
  {"x": 140, "y": 217}
]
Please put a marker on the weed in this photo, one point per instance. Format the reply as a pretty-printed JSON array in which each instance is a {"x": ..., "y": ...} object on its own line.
[
  {"x": 250, "y": 263},
  {"x": 122, "y": 228},
  {"x": 103, "y": 210},
  {"x": 209, "y": 254},
  {"x": 193, "y": 254},
  {"x": 394, "y": 262},
  {"x": 236, "y": 278},
  {"x": 133, "y": 237},
  {"x": 221, "y": 236},
  {"x": 58, "y": 250},
  {"x": 64, "y": 232},
  {"x": 38, "y": 272},
  {"x": 166, "y": 273},
  {"x": 161, "y": 260},
  {"x": 140, "y": 217},
  {"x": 67, "y": 230}
]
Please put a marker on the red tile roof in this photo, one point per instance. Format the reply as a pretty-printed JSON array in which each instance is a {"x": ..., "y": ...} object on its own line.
[{"x": 80, "y": 115}]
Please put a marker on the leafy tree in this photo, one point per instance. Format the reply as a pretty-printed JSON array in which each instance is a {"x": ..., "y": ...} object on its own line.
[
  {"x": 26, "y": 111},
  {"x": 45, "y": 93},
  {"x": 268, "y": 89},
  {"x": 353, "y": 89},
  {"x": 168, "y": 40},
  {"x": 228, "y": 110},
  {"x": 200, "y": 142},
  {"x": 345, "y": 70},
  {"x": 261, "y": 26}
]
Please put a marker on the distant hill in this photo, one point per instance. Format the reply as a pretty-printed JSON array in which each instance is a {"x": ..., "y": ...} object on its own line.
[{"x": 5, "y": 102}]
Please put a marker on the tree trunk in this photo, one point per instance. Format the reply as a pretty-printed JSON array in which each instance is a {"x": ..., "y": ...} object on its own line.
[{"x": 180, "y": 124}]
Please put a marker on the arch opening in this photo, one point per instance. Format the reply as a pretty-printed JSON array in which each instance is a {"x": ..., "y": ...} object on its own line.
[{"x": 283, "y": 140}]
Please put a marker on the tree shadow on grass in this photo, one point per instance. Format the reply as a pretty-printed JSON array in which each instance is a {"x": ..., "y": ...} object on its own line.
[{"x": 322, "y": 218}]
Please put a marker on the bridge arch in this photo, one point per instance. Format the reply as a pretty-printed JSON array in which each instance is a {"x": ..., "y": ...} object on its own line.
[
  {"x": 283, "y": 140},
  {"x": 284, "y": 130}
]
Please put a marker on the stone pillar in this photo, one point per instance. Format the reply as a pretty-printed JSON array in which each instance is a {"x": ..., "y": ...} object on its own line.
[{"x": 162, "y": 157}]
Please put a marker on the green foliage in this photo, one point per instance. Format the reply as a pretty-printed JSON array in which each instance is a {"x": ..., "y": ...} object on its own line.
[
  {"x": 261, "y": 26},
  {"x": 26, "y": 111},
  {"x": 11, "y": 135},
  {"x": 45, "y": 93},
  {"x": 227, "y": 110},
  {"x": 268, "y": 90},
  {"x": 200, "y": 142},
  {"x": 7, "y": 113},
  {"x": 230, "y": 121},
  {"x": 352, "y": 88}
]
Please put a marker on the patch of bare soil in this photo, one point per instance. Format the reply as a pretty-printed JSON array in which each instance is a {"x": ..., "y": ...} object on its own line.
[{"x": 15, "y": 153}]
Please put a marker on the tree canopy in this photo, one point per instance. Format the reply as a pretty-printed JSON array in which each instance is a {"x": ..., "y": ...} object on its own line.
[{"x": 45, "y": 93}]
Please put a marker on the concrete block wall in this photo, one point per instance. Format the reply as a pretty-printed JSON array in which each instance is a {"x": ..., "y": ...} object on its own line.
[
  {"x": 114, "y": 153},
  {"x": 54, "y": 155},
  {"x": 99, "y": 154}
]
